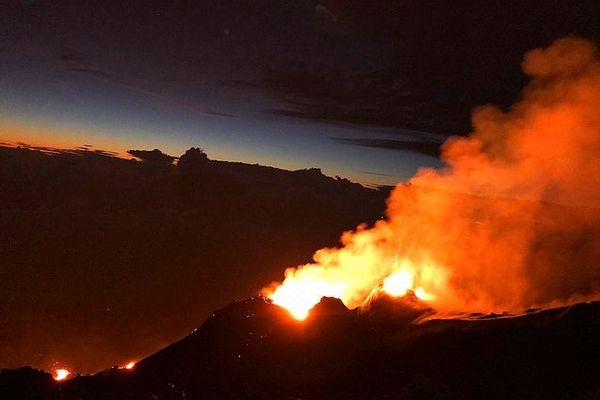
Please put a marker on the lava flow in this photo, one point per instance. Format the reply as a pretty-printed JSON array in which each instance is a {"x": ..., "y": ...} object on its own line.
[{"x": 510, "y": 222}]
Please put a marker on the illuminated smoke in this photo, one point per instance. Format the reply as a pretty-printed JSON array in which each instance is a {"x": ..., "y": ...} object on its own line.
[{"x": 512, "y": 221}]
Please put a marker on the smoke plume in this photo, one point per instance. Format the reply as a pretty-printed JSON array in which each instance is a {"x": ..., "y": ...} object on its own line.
[{"x": 512, "y": 221}]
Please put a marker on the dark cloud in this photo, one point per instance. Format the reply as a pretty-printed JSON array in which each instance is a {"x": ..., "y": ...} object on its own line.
[
  {"x": 168, "y": 100},
  {"x": 375, "y": 98},
  {"x": 323, "y": 13},
  {"x": 406, "y": 65},
  {"x": 94, "y": 72},
  {"x": 85, "y": 150},
  {"x": 381, "y": 98},
  {"x": 426, "y": 65},
  {"x": 375, "y": 173},
  {"x": 154, "y": 157},
  {"x": 221, "y": 114},
  {"x": 427, "y": 148},
  {"x": 73, "y": 57}
]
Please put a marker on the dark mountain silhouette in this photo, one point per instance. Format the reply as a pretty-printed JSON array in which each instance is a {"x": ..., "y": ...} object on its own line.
[
  {"x": 154, "y": 157},
  {"x": 253, "y": 349},
  {"x": 97, "y": 251}
]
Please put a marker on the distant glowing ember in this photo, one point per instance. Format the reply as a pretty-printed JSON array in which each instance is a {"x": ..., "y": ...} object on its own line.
[
  {"x": 130, "y": 365},
  {"x": 61, "y": 374}
]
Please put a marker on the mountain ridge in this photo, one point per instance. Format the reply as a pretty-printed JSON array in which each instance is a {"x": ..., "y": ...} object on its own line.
[{"x": 254, "y": 349}]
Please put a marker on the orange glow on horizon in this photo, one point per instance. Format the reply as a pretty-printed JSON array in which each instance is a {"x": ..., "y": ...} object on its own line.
[
  {"x": 16, "y": 134},
  {"x": 130, "y": 365}
]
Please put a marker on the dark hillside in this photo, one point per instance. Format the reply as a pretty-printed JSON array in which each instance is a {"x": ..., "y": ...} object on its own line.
[{"x": 164, "y": 243}]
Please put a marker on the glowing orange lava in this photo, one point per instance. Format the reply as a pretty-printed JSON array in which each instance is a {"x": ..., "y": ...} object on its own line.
[
  {"x": 401, "y": 281},
  {"x": 422, "y": 294},
  {"x": 61, "y": 374},
  {"x": 303, "y": 288},
  {"x": 130, "y": 365},
  {"x": 300, "y": 295},
  {"x": 398, "y": 283}
]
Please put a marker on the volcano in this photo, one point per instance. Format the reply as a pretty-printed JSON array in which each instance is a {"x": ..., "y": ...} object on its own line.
[{"x": 392, "y": 348}]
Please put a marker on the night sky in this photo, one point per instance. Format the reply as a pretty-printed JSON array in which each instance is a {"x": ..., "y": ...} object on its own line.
[
  {"x": 362, "y": 89},
  {"x": 346, "y": 86}
]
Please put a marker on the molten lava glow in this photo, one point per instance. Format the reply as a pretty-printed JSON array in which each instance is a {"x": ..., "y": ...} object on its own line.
[
  {"x": 398, "y": 283},
  {"x": 422, "y": 294},
  {"x": 301, "y": 295},
  {"x": 61, "y": 374},
  {"x": 130, "y": 365},
  {"x": 401, "y": 281},
  {"x": 348, "y": 274}
]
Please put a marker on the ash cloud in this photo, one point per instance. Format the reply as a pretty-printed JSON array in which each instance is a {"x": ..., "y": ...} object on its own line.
[{"x": 544, "y": 153}]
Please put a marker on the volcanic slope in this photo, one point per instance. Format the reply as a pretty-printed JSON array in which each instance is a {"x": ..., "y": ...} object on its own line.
[{"x": 395, "y": 348}]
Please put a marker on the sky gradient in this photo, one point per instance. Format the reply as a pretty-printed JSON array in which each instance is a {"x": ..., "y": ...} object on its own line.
[{"x": 347, "y": 87}]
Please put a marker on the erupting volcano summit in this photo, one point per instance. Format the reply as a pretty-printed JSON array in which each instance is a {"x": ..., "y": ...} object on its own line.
[{"x": 508, "y": 224}]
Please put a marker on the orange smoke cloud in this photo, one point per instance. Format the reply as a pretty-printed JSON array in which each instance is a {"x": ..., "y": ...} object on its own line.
[{"x": 512, "y": 221}]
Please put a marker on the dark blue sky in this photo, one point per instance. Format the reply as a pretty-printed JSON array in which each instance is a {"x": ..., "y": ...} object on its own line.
[{"x": 366, "y": 92}]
